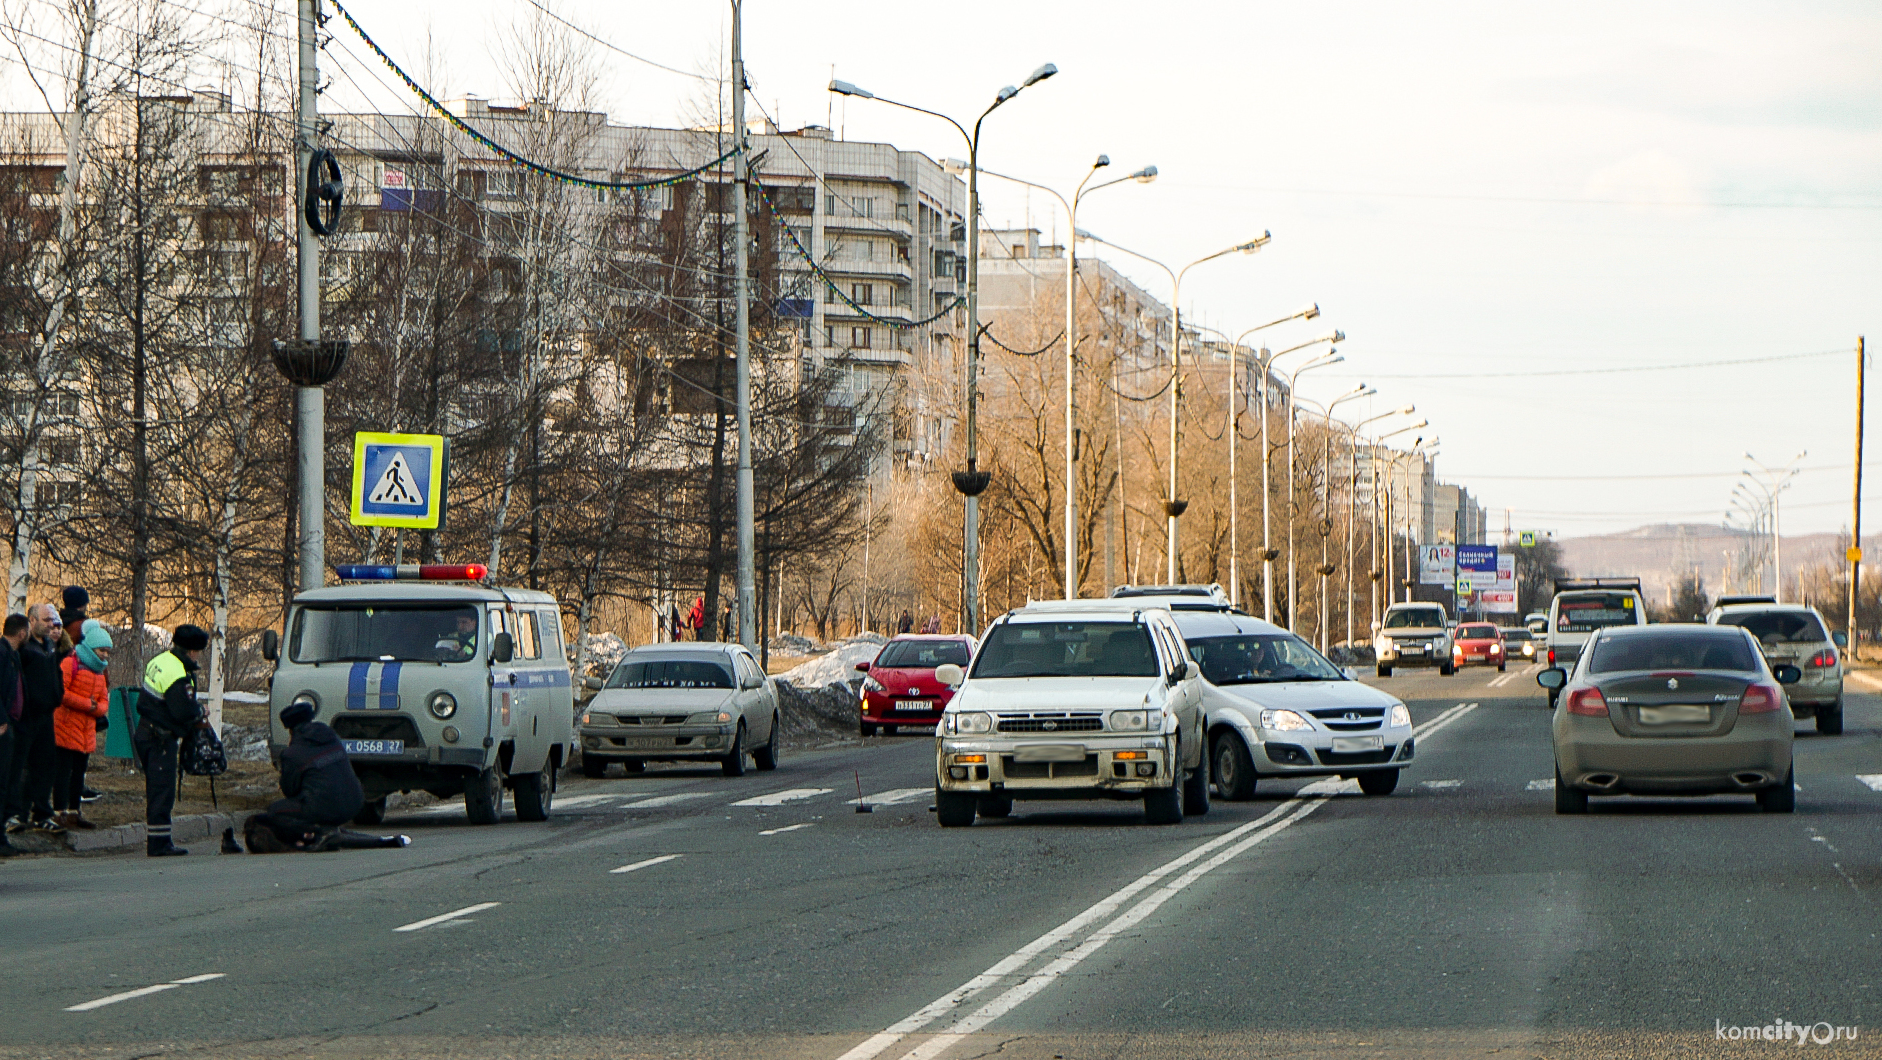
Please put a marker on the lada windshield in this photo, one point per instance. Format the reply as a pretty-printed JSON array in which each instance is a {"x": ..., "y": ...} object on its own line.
[
  {"x": 1252, "y": 660},
  {"x": 1779, "y": 627},
  {"x": 1067, "y": 649},
  {"x": 1415, "y": 618},
  {"x": 670, "y": 673},
  {"x": 1682, "y": 650},
  {"x": 436, "y": 633},
  {"x": 921, "y": 654},
  {"x": 1587, "y": 612}
]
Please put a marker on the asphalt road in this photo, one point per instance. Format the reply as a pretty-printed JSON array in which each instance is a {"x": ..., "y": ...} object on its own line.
[{"x": 684, "y": 914}]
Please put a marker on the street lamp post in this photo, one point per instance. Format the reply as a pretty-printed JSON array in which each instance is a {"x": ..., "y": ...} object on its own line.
[
  {"x": 1382, "y": 515},
  {"x": 1293, "y": 601},
  {"x": 1173, "y": 506},
  {"x": 1268, "y": 551},
  {"x": 1352, "y": 446},
  {"x": 1142, "y": 176},
  {"x": 972, "y": 482},
  {"x": 1326, "y": 413},
  {"x": 1774, "y": 482}
]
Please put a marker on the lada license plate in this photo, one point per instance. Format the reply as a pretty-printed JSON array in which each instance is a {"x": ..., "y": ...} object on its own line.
[
  {"x": 1675, "y": 714},
  {"x": 913, "y": 704},
  {"x": 374, "y": 747},
  {"x": 1350, "y": 744}
]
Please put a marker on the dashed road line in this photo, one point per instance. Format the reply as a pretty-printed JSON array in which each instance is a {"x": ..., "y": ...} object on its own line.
[
  {"x": 452, "y": 915},
  {"x": 786, "y": 828},
  {"x": 1440, "y": 784},
  {"x": 1542, "y": 785},
  {"x": 145, "y": 991},
  {"x": 1873, "y": 780},
  {"x": 892, "y": 797},
  {"x": 669, "y": 800},
  {"x": 779, "y": 798},
  {"x": 645, "y": 864}
]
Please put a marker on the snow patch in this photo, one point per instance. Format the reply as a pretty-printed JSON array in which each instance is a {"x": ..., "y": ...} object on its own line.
[{"x": 838, "y": 665}]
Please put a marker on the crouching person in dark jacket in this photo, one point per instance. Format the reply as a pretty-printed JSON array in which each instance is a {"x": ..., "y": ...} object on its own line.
[{"x": 321, "y": 793}]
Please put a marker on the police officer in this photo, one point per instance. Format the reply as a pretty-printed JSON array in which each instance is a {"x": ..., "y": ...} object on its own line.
[
  {"x": 459, "y": 644},
  {"x": 167, "y": 712}
]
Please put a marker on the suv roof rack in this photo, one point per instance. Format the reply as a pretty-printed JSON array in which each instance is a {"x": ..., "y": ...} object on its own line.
[
  {"x": 1211, "y": 591},
  {"x": 1563, "y": 585},
  {"x": 1727, "y": 601}
]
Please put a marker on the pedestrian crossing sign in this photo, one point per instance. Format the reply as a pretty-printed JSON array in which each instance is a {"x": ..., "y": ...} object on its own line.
[{"x": 399, "y": 480}]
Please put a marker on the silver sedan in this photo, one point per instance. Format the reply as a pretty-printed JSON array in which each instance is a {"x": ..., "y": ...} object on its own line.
[{"x": 682, "y": 702}]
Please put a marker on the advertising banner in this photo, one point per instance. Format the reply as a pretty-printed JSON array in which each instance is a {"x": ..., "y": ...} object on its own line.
[
  {"x": 1477, "y": 563},
  {"x": 1503, "y": 597},
  {"x": 1438, "y": 564}
]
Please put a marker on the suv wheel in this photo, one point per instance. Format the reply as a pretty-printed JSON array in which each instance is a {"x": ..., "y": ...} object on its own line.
[
  {"x": 1780, "y": 797},
  {"x": 1385, "y": 670},
  {"x": 1830, "y": 719},
  {"x": 1447, "y": 669},
  {"x": 1196, "y": 790},
  {"x": 954, "y": 809},
  {"x": 994, "y": 806}
]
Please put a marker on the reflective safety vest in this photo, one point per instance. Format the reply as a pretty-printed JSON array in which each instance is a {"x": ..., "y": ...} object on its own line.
[{"x": 164, "y": 670}]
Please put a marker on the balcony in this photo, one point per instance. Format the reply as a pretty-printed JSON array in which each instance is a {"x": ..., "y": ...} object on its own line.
[{"x": 897, "y": 269}]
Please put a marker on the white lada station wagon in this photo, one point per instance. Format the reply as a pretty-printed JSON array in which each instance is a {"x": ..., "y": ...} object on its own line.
[{"x": 1074, "y": 699}]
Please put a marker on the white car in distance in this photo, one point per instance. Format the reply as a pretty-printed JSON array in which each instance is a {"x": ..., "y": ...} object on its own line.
[{"x": 1074, "y": 699}]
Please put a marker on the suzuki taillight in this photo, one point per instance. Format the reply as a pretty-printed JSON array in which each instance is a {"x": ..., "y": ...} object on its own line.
[
  {"x": 1760, "y": 699},
  {"x": 1824, "y": 658},
  {"x": 1587, "y": 701}
]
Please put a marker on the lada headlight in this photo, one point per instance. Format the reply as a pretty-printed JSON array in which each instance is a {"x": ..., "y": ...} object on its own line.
[
  {"x": 442, "y": 705},
  {"x": 967, "y": 723},
  {"x": 1401, "y": 716},
  {"x": 1283, "y": 721},
  {"x": 1130, "y": 720}
]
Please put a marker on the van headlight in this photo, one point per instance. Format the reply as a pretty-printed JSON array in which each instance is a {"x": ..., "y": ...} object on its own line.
[
  {"x": 1130, "y": 720},
  {"x": 966, "y": 724},
  {"x": 1283, "y": 721},
  {"x": 307, "y": 698},
  {"x": 442, "y": 705},
  {"x": 1401, "y": 716}
]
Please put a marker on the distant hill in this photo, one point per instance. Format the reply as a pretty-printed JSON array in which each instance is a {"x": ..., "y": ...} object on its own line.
[{"x": 1661, "y": 553}]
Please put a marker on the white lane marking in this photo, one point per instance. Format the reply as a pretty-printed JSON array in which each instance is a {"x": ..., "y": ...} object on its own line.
[
  {"x": 875, "y": 1044},
  {"x": 145, "y": 991},
  {"x": 645, "y": 864},
  {"x": 1864, "y": 677},
  {"x": 786, "y": 828},
  {"x": 1440, "y": 783},
  {"x": 892, "y": 797},
  {"x": 1542, "y": 785},
  {"x": 585, "y": 800},
  {"x": 452, "y": 915},
  {"x": 1874, "y": 780},
  {"x": 779, "y": 798},
  {"x": 1014, "y": 996},
  {"x": 1330, "y": 786},
  {"x": 1443, "y": 719},
  {"x": 669, "y": 800}
]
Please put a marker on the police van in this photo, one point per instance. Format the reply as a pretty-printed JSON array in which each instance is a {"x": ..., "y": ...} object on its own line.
[{"x": 435, "y": 681}]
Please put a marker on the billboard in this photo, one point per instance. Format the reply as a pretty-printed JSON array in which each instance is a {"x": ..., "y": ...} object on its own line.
[
  {"x": 1478, "y": 564},
  {"x": 1437, "y": 564},
  {"x": 1503, "y": 596}
]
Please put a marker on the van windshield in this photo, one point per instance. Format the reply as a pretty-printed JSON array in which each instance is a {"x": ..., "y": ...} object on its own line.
[
  {"x": 1415, "y": 618},
  {"x": 1587, "y": 612},
  {"x": 671, "y": 673},
  {"x": 434, "y": 633}
]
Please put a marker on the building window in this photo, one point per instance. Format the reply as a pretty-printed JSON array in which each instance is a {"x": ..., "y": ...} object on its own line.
[
  {"x": 859, "y": 338},
  {"x": 863, "y": 293},
  {"x": 901, "y": 212},
  {"x": 829, "y": 335},
  {"x": 61, "y": 450}
]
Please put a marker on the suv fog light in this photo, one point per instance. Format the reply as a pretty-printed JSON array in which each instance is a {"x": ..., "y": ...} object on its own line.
[
  {"x": 592, "y": 741},
  {"x": 957, "y": 772},
  {"x": 1146, "y": 769},
  {"x": 450, "y": 734}
]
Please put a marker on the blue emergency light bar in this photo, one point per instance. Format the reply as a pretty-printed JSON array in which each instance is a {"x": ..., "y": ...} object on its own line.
[{"x": 446, "y": 572}]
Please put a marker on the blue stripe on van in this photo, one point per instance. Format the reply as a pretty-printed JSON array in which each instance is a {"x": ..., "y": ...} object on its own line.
[
  {"x": 389, "y": 687},
  {"x": 356, "y": 686}
]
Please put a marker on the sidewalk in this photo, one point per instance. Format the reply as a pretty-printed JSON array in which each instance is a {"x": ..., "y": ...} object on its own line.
[{"x": 184, "y": 829}]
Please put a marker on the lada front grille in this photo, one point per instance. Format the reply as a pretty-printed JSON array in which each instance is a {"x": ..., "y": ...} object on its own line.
[
  {"x": 1350, "y": 719},
  {"x": 1050, "y": 723}
]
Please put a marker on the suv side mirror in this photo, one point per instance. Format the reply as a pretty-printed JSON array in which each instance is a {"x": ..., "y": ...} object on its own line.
[
  {"x": 1552, "y": 678},
  {"x": 1839, "y": 638},
  {"x": 502, "y": 648},
  {"x": 950, "y": 674},
  {"x": 593, "y": 684},
  {"x": 271, "y": 645},
  {"x": 1787, "y": 674},
  {"x": 1349, "y": 673}
]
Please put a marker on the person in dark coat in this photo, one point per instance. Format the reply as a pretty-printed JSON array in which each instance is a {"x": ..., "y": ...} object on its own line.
[
  {"x": 29, "y": 801},
  {"x": 167, "y": 713},
  {"x": 11, "y": 704},
  {"x": 321, "y": 792}
]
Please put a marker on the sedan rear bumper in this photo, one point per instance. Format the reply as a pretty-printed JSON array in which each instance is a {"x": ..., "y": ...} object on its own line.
[{"x": 1592, "y": 757}]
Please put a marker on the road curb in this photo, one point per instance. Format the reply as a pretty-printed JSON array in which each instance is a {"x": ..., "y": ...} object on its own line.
[{"x": 186, "y": 829}]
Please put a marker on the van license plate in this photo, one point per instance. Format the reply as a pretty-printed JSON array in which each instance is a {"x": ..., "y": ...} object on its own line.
[
  {"x": 374, "y": 747},
  {"x": 1346, "y": 745}
]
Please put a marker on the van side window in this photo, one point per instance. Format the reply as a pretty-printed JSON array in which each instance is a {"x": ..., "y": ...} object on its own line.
[
  {"x": 499, "y": 622},
  {"x": 527, "y": 646},
  {"x": 551, "y": 631}
]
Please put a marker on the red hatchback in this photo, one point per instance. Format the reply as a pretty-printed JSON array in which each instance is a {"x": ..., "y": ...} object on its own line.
[
  {"x": 1479, "y": 642},
  {"x": 901, "y": 688}
]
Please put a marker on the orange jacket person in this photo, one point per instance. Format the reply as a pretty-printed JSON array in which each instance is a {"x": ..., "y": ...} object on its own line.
[{"x": 75, "y": 720}]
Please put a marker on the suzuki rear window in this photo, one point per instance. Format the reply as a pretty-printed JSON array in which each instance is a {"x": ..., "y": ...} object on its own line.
[
  {"x": 671, "y": 673},
  {"x": 1779, "y": 627},
  {"x": 1067, "y": 649},
  {"x": 1682, "y": 650},
  {"x": 1587, "y": 612},
  {"x": 921, "y": 654},
  {"x": 1415, "y": 618}
]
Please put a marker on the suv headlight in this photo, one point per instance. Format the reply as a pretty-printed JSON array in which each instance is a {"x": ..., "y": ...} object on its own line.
[
  {"x": 1130, "y": 720},
  {"x": 1401, "y": 716},
  {"x": 870, "y": 684},
  {"x": 967, "y": 723},
  {"x": 442, "y": 705},
  {"x": 1283, "y": 721}
]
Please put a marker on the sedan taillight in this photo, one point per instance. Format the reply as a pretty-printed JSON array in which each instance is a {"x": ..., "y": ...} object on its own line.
[
  {"x": 1588, "y": 701},
  {"x": 1824, "y": 658},
  {"x": 1760, "y": 699}
]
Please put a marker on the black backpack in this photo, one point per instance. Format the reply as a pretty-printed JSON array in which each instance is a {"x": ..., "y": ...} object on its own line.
[{"x": 202, "y": 755}]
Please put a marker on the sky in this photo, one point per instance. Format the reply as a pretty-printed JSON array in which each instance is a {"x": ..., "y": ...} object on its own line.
[{"x": 1510, "y": 209}]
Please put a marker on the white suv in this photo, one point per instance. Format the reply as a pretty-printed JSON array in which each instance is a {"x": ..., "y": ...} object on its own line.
[
  {"x": 1794, "y": 634},
  {"x": 1074, "y": 699},
  {"x": 1414, "y": 634}
]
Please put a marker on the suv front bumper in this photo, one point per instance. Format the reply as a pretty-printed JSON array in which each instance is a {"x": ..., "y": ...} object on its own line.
[{"x": 1096, "y": 767}]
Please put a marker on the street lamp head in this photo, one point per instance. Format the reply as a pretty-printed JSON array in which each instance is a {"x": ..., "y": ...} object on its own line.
[
  {"x": 1366, "y": 391},
  {"x": 1310, "y": 312},
  {"x": 1256, "y": 243},
  {"x": 1408, "y": 410},
  {"x": 1421, "y": 423},
  {"x": 1103, "y": 161},
  {"x": 844, "y": 88},
  {"x": 1082, "y": 234},
  {"x": 1005, "y": 94},
  {"x": 1039, "y": 75},
  {"x": 1145, "y": 175},
  {"x": 954, "y": 166}
]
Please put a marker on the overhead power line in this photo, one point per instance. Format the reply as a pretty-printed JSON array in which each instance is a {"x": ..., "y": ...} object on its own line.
[{"x": 1603, "y": 371}]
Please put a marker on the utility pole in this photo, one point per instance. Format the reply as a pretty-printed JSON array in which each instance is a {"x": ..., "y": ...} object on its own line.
[
  {"x": 1855, "y": 506},
  {"x": 747, "y": 620}
]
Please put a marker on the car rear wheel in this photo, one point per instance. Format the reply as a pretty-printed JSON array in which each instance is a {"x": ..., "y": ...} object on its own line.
[
  {"x": 483, "y": 797},
  {"x": 593, "y": 767},
  {"x": 534, "y": 794},
  {"x": 994, "y": 806},
  {"x": 1830, "y": 719},
  {"x": 766, "y": 757},
  {"x": 1384, "y": 670},
  {"x": 733, "y": 764},
  {"x": 1780, "y": 797},
  {"x": 954, "y": 809},
  {"x": 1567, "y": 799},
  {"x": 1234, "y": 768},
  {"x": 1378, "y": 781}
]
